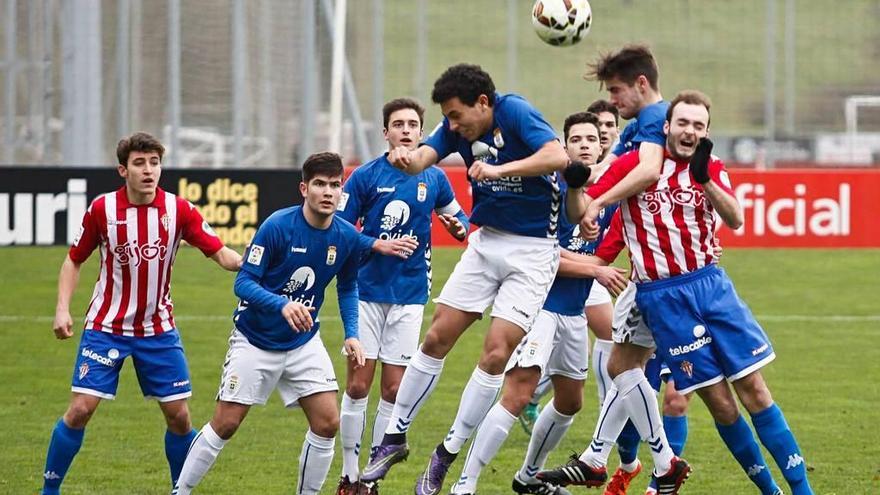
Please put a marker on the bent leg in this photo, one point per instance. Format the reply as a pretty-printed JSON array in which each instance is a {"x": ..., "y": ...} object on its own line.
[{"x": 66, "y": 440}]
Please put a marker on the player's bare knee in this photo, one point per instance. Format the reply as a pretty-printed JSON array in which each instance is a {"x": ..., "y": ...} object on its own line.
[
  {"x": 754, "y": 393},
  {"x": 515, "y": 400},
  {"x": 568, "y": 405},
  {"x": 178, "y": 420},
  {"x": 357, "y": 389},
  {"x": 494, "y": 360},
  {"x": 436, "y": 344},
  {"x": 325, "y": 427},
  {"x": 78, "y": 414},
  {"x": 389, "y": 392}
]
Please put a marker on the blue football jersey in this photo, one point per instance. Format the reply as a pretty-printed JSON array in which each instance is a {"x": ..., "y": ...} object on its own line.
[
  {"x": 296, "y": 262},
  {"x": 567, "y": 296},
  {"x": 647, "y": 127},
  {"x": 391, "y": 204},
  {"x": 521, "y": 205}
]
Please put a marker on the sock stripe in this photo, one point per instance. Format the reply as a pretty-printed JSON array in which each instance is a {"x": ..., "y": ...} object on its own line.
[
  {"x": 424, "y": 393},
  {"x": 647, "y": 410},
  {"x": 600, "y": 377},
  {"x": 302, "y": 473},
  {"x": 543, "y": 441},
  {"x": 605, "y": 413}
]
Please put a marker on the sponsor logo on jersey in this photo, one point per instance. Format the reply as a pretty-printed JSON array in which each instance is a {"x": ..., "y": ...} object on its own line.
[
  {"x": 302, "y": 278},
  {"x": 667, "y": 199},
  {"x": 232, "y": 383},
  {"x": 94, "y": 356},
  {"x": 255, "y": 255},
  {"x": 113, "y": 354},
  {"x": 693, "y": 346},
  {"x": 699, "y": 331},
  {"x": 181, "y": 383},
  {"x": 484, "y": 152},
  {"x": 113, "y": 223},
  {"x": 396, "y": 214},
  {"x": 521, "y": 312},
  {"x": 422, "y": 192},
  {"x": 385, "y": 189},
  {"x": 343, "y": 200},
  {"x": 794, "y": 460},
  {"x": 760, "y": 350},
  {"x": 133, "y": 253},
  {"x": 300, "y": 250},
  {"x": 576, "y": 243},
  {"x": 688, "y": 368},
  {"x": 331, "y": 255},
  {"x": 83, "y": 370}
]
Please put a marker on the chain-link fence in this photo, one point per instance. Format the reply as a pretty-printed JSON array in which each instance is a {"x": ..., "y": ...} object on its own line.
[{"x": 248, "y": 83}]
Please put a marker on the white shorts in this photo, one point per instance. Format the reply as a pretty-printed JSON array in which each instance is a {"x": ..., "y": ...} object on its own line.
[
  {"x": 511, "y": 272},
  {"x": 628, "y": 326},
  {"x": 251, "y": 374},
  {"x": 557, "y": 344},
  {"x": 598, "y": 295},
  {"x": 389, "y": 332}
]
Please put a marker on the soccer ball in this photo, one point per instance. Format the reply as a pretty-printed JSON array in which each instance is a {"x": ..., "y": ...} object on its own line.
[{"x": 562, "y": 22}]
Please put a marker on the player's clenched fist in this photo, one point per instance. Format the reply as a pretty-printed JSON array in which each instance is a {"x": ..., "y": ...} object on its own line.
[
  {"x": 483, "y": 171},
  {"x": 63, "y": 325},
  {"x": 298, "y": 316},
  {"x": 400, "y": 157}
]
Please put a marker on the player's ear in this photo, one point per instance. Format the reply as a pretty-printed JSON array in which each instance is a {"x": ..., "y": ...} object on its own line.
[
  {"x": 123, "y": 170},
  {"x": 483, "y": 100},
  {"x": 666, "y": 127},
  {"x": 302, "y": 188}
]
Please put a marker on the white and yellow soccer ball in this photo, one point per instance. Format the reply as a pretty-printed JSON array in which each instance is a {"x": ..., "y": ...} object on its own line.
[{"x": 562, "y": 22}]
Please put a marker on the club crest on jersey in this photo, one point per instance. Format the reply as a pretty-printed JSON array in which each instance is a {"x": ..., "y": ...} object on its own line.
[
  {"x": 232, "y": 383},
  {"x": 331, "y": 255},
  {"x": 396, "y": 214},
  {"x": 422, "y": 192},
  {"x": 165, "y": 221},
  {"x": 688, "y": 368},
  {"x": 497, "y": 138},
  {"x": 83, "y": 370}
]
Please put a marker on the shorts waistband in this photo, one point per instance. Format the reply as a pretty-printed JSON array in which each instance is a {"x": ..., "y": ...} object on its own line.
[
  {"x": 519, "y": 238},
  {"x": 706, "y": 271}
]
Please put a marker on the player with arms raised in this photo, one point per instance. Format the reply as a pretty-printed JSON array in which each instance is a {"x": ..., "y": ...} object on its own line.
[
  {"x": 138, "y": 229},
  {"x": 512, "y": 155}
]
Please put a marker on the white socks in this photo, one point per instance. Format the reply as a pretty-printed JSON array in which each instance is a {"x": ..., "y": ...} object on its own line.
[
  {"x": 314, "y": 463},
  {"x": 419, "y": 380},
  {"x": 490, "y": 436},
  {"x": 477, "y": 398},
  {"x": 380, "y": 423},
  {"x": 352, "y": 422},
  {"x": 202, "y": 454},
  {"x": 546, "y": 435},
  {"x": 601, "y": 353}
]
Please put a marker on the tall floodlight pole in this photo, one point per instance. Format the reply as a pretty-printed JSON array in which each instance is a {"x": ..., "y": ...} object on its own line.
[{"x": 336, "y": 76}]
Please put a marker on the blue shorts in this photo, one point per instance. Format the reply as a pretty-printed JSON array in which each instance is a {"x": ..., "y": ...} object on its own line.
[
  {"x": 656, "y": 371},
  {"x": 704, "y": 331},
  {"x": 158, "y": 361}
]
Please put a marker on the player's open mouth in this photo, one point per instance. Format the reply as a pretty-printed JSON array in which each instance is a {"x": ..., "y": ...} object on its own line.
[
  {"x": 406, "y": 141},
  {"x": 585, "y": 156},
  {"x": 603, "y": 140}
]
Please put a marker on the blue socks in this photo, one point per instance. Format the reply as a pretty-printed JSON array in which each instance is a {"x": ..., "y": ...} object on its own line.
[
  {"x": 176, "y": 447},
  {"x": 741, "y": 442},
  {"x": 676, "y": 428},
  {"x": 628, "y": 443},
  {"x": 63, "y": 446},
  {"x": 776, "y": 436}
]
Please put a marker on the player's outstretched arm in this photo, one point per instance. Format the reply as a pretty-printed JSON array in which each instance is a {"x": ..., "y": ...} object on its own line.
[
  {"x": 575, "y": 265},
  {"x": 549, "y": 159},
  {"x": 576, "y": 176},
  {"x": 67, "y": 280},
  {"x": 227, "y": 258},
  {"x": 414, "y": 161},
  {"x": 643, "y": 175}
]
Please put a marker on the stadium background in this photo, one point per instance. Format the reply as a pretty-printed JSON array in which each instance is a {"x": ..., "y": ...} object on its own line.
[{"x": 246, "y": 85}]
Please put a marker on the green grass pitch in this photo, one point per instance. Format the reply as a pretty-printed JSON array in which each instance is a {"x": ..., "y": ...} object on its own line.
[{"x": 820, "y": 308}]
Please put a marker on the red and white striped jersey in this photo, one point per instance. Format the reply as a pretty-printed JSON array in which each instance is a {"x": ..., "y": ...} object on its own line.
[
  {"x": 669, "y": 227},
  {"x": 138, "y": 244}
]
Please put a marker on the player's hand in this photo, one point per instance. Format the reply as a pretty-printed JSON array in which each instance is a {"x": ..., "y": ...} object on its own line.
[
  {"x": 613, "y": 278},
  {"x": 298, "y": 316},
  {"x": 354, "y": 351},
  {"x": 716, "y": 248},
  {"x": 592, "y": 214},
  {"x": 402, "y": 247},
  {"x": 453, "y": 225},
  {"x": 401, "y": 157},
  {"x": 589, "y": 230},
  {"x": 700, "y": 161},
  {"x": 63, "y": 325},
  {"x": 576, "y": 174},
  {"x": 479, "y": 171}
]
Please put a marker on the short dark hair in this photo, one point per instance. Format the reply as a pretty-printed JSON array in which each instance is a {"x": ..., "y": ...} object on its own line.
[
  {"x": 627, "y": 64},
  {"x": 465, "y": 81},
  {"x": 401, "y": 104},
  {"x": 579, "y": 118},
  {"x": 691, "y": 97},
  {"x": 600, "y": 106},
  {"x": 324, "y": 163},
  {"x": 139, "y": 141}
]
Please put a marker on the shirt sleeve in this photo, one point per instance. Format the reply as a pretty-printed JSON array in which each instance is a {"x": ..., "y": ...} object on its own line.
[
  {"x": 351, "y": 200},
  {"x": 613, "y": 243},
  {"x": 258, "y": 255},
  {"x": 247, "y": 287},
  {"x": 89, "y": 236},
  {"x": 529, "y": 123},
  {"x": 651, "y": 121},
  {"x": 347, "y": 293},
  {"x": 196, "y": 230},
  {"x": 442, "y": 140},
  {"x": 718, "y": 174},
  {"x": 619, "y": 169}
]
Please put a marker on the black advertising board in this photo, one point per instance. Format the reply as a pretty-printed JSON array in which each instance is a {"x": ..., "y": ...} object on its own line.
[{"x": 45, "y": 205}]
